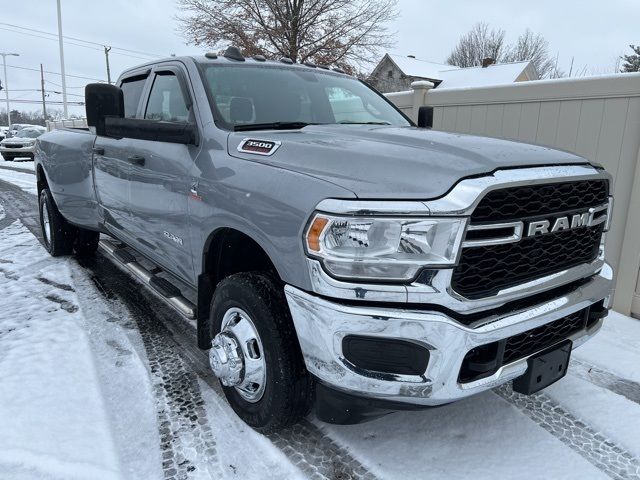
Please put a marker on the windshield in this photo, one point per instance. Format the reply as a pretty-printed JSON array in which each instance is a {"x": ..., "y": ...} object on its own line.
[
  {"x": 29, "y": 133},
  {"x": 246, "y": 95}
]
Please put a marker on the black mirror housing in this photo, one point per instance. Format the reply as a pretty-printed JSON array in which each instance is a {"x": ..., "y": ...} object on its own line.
[
  {"x": 142, "y": 129},
  {"x": 101, "y": 101},
  {"x": 425, "y": 117}
]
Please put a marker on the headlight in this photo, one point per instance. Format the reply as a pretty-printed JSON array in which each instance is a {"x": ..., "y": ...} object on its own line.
[{"x": 383, "y": 248}]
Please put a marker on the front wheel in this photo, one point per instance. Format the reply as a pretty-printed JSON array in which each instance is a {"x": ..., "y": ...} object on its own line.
[{"x": 255, "y": 352}]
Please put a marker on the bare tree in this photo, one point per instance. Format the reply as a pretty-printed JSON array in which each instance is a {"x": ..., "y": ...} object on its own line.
[
  {"x": 482, "y": 42},
  {"x": 477, "y": 44},
  {"x": 348, "y": 33},
  {"x": 534, "y": 47}
]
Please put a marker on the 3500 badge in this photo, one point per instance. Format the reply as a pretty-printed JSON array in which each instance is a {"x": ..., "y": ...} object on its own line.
[{"x": 258, "y": 147}]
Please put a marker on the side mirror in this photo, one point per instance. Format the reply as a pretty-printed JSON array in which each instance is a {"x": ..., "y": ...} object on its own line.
[
  {"x": 101, "y": 101},
  {"x": 142, "y": 129},
  {"x": 425, "y": 117}
]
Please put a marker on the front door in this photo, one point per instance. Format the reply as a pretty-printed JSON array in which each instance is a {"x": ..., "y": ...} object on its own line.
[
  {"x": 159, "y": 178},
  {"x": 112, "y": 166}
]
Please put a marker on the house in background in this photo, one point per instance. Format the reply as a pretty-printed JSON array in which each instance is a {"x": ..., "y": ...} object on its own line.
[{"x": 395, "y": 73}]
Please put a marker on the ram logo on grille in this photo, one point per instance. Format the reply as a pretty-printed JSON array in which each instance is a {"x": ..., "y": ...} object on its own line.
[{"x": 589, "y": 218}]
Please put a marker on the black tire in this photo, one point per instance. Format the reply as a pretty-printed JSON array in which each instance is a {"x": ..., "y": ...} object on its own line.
[
  {"x": 288, "y": 388},
  {"x": 60, "y": 235}
]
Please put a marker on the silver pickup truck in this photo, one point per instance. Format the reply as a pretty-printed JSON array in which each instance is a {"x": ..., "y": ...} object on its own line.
[{"x": 331, "y": 252}]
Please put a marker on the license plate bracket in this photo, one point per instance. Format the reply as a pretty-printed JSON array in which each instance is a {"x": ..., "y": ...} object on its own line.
[{"x": 544, "y": 368}]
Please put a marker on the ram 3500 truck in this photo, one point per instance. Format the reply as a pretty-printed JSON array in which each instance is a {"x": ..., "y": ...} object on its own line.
[{"x": 330, "y": 251}]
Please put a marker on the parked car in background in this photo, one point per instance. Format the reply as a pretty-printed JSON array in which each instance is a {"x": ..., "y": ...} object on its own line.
[
  {"x": 22, "y": 144},
  {"x": 14, "y": 128},
  {"x": 3, "y": 132}
]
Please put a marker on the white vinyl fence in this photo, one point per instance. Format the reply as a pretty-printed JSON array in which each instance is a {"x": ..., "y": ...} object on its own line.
[
  {"x": 73, "y": 123},
  {"x": 596, "y": 117}
]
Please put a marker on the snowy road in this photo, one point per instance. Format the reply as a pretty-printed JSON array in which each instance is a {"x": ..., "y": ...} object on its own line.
[{"x": 102, "y": 380}]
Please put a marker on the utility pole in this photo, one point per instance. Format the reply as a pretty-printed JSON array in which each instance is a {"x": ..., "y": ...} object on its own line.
[
  {"x": 44, "y": 104},
  {"x": 6, "y": 85},
  {"x": 106, "y": 56},
  {"x": 64, "y": 80}
]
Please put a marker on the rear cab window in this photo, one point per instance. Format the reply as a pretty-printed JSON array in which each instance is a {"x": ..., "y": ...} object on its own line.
[{"x": 132, "y": 89}]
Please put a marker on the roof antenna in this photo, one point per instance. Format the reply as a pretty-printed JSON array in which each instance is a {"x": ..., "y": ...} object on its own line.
[{"x": 234, "y": 53}]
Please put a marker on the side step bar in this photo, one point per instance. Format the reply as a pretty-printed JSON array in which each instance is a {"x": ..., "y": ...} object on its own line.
[{"x": 167, "y": 291}]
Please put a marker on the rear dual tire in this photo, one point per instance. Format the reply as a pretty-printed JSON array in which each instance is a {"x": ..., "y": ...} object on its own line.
[{"x": 59, "y": 236}]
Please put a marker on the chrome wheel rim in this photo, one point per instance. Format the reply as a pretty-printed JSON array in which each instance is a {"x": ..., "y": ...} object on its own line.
[
  {"x": 46, "y": 223},
  {"x": 237, "y": 356}
]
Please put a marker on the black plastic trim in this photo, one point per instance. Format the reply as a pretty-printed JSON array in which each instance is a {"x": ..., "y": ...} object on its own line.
[{"x": 385, "y": 355}]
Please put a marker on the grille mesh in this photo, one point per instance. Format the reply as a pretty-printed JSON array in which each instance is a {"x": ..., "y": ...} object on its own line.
[
  {"x": 484, "y": 360},
  {"x": 485, "y": 270},
  {"x": 527, "y": 343},
  {"x": 516, "y": 203}
]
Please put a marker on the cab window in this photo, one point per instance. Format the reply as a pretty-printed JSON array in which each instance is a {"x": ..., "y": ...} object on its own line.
[
  {"x": 166, "y": 100},
  {"x": 132, "y": 91}
]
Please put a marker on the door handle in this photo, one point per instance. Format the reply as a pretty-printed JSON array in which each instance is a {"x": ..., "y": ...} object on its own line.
[
  {"x": 136, "y": 159},
  {"x": 98, "y": 150}
]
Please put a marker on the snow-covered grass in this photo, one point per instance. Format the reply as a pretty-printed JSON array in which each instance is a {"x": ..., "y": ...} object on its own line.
[
  {"x": 52, "y": 412},
  {"x": 26, "y": 181},
  {"x": 25, "y": 164}
]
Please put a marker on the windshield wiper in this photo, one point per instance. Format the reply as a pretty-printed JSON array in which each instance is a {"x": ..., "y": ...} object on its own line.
[
  {"x": 349, "y": 122},
  {"x": 272, "y": 126}
]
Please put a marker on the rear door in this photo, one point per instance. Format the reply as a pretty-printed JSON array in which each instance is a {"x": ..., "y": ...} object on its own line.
[
  {"x": 160, "y": 179},
  {"x": 112, "y": 166}
]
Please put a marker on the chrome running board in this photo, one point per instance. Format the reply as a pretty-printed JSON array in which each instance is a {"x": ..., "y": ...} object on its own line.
[{"x": 166, "y": 290}]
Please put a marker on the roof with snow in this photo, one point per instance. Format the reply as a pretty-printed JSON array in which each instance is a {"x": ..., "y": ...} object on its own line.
[
  {"x": 415, "y": 67},
  {"x": 495, "y": 74},
  {"x": 450, "y": 76}
]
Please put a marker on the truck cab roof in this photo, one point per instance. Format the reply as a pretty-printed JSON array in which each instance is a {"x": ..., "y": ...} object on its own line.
[{"x": 233, "y": 56}]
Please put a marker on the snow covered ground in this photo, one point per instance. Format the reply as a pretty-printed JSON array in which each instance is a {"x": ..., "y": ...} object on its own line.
[
  {"x": 25, "y": 164},
  {"x": 98, "y": 379}
]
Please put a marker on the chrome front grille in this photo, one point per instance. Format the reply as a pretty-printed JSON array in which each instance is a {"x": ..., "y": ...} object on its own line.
[{"x": 488, "y": 266}]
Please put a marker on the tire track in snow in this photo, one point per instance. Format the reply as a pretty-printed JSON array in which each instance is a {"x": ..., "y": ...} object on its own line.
[
  {"x": 602, "y": 378},
  {"x": 17, "y": 169},
  {"x": 306, "y": 446},
  {"x": 597, "y": 449},
  {"x": 188, "y": 445}
]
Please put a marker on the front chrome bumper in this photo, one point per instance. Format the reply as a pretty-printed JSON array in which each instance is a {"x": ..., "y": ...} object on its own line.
[
  {"x": 24, "y": 150},
  {"x": 321, "y": 326}
]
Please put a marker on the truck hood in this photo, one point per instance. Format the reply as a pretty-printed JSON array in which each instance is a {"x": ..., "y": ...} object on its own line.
[{"x": 380, "y": 162}]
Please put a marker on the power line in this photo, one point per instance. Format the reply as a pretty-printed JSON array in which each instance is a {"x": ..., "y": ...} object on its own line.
[
  {"x": 57, "y": 73},
  {"x": 50, "y": 102},
  {"x": 57, "y": 92},
  {"x": 81, "y": 40},
  {"x": 58, "y": 85},
  {"x": 70, "y": 43}
]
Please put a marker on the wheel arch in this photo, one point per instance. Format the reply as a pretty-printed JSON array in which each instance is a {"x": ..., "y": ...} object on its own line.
[
  {"x": 41, "y": 178},
  {"x": 226, "y": 251}
]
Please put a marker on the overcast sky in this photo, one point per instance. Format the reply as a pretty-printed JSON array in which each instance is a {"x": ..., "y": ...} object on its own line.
[{"x": 594, "y": 33}]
